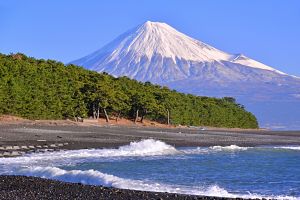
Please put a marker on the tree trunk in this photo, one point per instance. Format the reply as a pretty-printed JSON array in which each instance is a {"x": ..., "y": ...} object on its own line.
[
  {"x": 136, "y": 115},
  {"x": 118, "y": 116},
  {"x": 94, "y": 112},
  {"x": 168, "y": 117},
  {"x": 75, "y": 117},
  {"x": 106, "y": 116},
  {"x": 98, "y": 113}
]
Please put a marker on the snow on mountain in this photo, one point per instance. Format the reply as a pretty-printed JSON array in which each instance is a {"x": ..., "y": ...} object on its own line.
[
  {"x": 153, "y": 38},
  {"x": 158, "y": 53},
  {"x": 243, "y": 60}
]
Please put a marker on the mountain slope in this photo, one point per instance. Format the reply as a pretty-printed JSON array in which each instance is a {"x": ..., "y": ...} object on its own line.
[{"x": 158, "y": 53}]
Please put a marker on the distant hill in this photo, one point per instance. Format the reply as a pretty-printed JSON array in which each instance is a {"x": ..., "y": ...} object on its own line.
[
  {"x": 46, "y": 89},
  {"x": 158, "y": 53}
]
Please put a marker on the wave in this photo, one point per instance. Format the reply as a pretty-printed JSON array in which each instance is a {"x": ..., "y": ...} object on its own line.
[
  {"x": 229, "y": 148},
  {"x": 93, "y": 177},
  {"x": 238, "y": 148},
  {"x": 235, "y": 148},
  {"x": 197, "y": 150},
  {"x": 214, "y": 149},
  {"x": 288, "y": 147},
  {"x": 46, "y": 165},
  {"x": 147, "y": 147},
  {"x": 144, "y": 148}
]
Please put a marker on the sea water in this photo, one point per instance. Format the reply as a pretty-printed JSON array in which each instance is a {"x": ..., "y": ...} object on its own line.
[{"x": 151, "y": 165}]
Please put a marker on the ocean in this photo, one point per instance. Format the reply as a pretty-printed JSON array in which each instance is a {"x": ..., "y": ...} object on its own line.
[{"x": 152, "y": 165}]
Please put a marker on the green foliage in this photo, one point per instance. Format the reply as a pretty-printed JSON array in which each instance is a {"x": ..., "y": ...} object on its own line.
[{"x": 46, "y": 89}]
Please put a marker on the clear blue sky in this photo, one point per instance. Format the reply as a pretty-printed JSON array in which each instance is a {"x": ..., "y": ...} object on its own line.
[{"x": 64, "y": 30}]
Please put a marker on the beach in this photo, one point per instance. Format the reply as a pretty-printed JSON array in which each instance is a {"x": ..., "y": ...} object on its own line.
[
  {"x": 30, "y": 137},
  {"x": 20, "y": 187},
  {"x": 82, "y": 136}
]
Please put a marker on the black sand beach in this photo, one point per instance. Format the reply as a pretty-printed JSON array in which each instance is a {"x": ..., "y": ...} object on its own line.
[
  {"x": 98, "y": 136},
  {"x": 95, "y": 136},
  {"x": 27, "y": 188}
]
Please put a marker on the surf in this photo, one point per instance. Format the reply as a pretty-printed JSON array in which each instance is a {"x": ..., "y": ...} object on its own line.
[{"x": 153, "y": 165}]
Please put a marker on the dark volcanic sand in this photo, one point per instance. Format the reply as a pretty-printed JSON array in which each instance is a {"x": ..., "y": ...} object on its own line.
[
  {"x": 27, "y": 188},
  {"x": 78, "y": 137}
]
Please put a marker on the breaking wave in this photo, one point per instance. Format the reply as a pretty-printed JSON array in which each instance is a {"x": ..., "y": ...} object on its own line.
[
  {"x": 93, "y": 177},
  {"x": 143, "y": 148},
  {"x": 147, "y": 147},
  {"x": 48, "y": 165},
  {"x": 229, "y": 148},
  {"x": 288, "y": 147}
]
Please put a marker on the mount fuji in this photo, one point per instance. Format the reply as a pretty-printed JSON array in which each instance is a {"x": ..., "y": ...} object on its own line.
[{"x": 158, "y": 53}]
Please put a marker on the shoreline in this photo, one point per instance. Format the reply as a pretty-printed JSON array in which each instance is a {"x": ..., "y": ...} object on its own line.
[{"x": 19, "y": 137}]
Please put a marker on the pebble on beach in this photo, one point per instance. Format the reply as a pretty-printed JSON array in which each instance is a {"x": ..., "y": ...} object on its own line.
[{"x": 30, "y": 188}]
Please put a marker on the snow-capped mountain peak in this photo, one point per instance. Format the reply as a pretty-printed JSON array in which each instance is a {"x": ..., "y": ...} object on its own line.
[
  {"x": 155, "y": 51},
  {"x": 156, "y": 38}
]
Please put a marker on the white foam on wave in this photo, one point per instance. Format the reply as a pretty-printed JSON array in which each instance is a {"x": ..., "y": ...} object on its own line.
[
  {"x": 229, "y": 148},
  {"x": 46, "y": 165},
  {"x": 147, "y": 147},
  {"x": 288, "y": 147},
  {"x": 214, "y": 149},
  {"x": 238, "y": 148},
  {"x": 143, "y": 148},
  {"x": 94, "y": 177},
  {"x": 197, "y": 150}
]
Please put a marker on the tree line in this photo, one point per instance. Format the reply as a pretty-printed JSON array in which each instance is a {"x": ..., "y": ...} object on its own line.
[{"x": 47, "y": 89}]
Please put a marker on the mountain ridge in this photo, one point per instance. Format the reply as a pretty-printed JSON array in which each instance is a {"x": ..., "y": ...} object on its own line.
[{"x": 156, "y": 40}]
